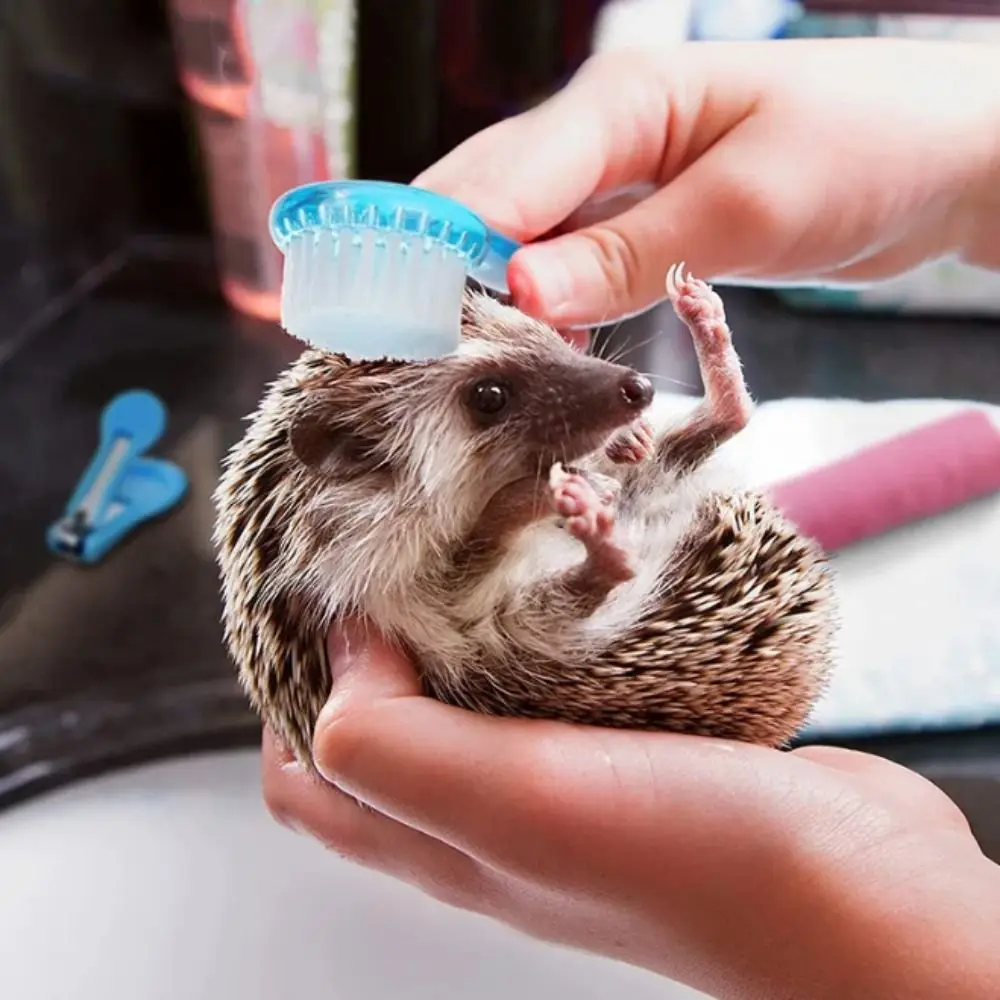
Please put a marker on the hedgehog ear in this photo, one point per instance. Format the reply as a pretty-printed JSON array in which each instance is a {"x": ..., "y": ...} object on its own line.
[
  {"x": 476, "y": 310},
  {"x": 467, "y": 324},
  {"x": 312, "y": 440},
  {"x": 320, "y": 444}
]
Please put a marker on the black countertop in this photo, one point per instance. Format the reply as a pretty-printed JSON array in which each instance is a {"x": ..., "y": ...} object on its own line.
[{"x": 106, "y": 666}]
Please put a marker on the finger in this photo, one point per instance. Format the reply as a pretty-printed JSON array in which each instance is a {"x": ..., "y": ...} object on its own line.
[
  {"x": 526, "y": 174},
  {"x": 907, "y": 788},
  {"x": 303, "y": 802},
  {"x": 735, "y": 212}
]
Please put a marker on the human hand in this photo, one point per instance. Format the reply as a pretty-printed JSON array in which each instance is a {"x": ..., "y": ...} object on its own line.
[
  {"x": 841, "y": 160},
  {"x": 743, "y": 872}
]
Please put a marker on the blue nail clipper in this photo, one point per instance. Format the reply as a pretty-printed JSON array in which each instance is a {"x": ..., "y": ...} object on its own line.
[{"x": 121, "y": 488}]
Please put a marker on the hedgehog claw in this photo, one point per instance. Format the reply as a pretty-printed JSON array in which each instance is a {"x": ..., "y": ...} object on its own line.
[
  {"x": 631, "y": 445},
  {"x": 672, "y": 273},
  {"x": 694, "y": 300}
]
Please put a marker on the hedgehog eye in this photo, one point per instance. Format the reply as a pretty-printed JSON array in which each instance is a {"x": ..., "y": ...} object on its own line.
[{"x": 489, "y": 396}]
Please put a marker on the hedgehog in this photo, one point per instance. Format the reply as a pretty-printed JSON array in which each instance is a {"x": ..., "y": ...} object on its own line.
[{"x": 507, "y": 516}]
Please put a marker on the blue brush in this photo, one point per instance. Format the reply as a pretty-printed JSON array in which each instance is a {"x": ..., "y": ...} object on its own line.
[
  {"x": 375, "y": 269},
  {"x": 120, "y": 488}
]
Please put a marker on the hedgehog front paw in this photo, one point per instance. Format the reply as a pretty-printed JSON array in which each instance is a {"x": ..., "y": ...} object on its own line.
[
  {"x": 632, "y": 444},
  {"x": 695, "y": 301},
  {"x": 727, "y": 405},
  {"x": 591, "y": 520},
  {"x": 575, "y": 498}
]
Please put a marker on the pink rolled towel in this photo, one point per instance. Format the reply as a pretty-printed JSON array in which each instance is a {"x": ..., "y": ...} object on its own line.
[{"x": 918, "y": 474}]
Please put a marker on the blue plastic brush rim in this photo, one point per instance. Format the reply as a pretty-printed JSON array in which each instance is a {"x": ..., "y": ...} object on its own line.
[{"x": 385, "y": 205}]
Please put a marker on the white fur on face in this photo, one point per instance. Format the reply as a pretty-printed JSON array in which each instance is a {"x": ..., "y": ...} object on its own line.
[{"x": 479, "y": 349}]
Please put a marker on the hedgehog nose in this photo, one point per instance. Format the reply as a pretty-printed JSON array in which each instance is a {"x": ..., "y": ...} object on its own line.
[{"x": 637, "y": 391}]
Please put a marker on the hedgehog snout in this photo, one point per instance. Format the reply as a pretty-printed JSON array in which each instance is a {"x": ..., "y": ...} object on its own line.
[
  {"x": 607, "y": 394},
  {"x": 637, "y": 391},
  {"x": 577, "y": 412}
]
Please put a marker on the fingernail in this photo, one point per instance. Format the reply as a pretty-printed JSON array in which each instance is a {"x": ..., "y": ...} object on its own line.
[
  {"x": 293, "y": 825},
  {"x": 275, "y": 749},
  {"x": 347, "y": 645},
  {"x": 520, "y": 288},
  {"x": 547, "y": 284}
]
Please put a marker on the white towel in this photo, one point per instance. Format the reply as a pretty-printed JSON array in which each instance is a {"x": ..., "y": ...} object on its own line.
[{"x": 919, "y": 647}]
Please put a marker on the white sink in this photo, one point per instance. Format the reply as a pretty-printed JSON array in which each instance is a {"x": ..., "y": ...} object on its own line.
[{"x": 171, "y": 882}]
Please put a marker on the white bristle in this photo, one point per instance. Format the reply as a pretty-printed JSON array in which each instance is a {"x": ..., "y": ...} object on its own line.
[{"x": 371, "y": 293}]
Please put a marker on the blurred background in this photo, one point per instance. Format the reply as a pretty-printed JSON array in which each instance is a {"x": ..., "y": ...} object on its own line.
[{"x": 142, "y": 143}]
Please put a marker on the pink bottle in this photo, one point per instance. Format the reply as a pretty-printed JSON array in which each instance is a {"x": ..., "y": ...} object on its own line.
[{"x": 273, "y": 110}]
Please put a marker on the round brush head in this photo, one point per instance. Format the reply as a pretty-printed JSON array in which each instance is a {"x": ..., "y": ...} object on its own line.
[{"x": 375, "y": 269}]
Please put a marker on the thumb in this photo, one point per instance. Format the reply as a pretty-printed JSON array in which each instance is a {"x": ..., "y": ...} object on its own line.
[
  {"x": 729, "y": 214},
  {"x": 366, "y": 668}
]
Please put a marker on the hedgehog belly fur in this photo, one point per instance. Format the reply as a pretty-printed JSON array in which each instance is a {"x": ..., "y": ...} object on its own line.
[{"x": 735, "y": 640}]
